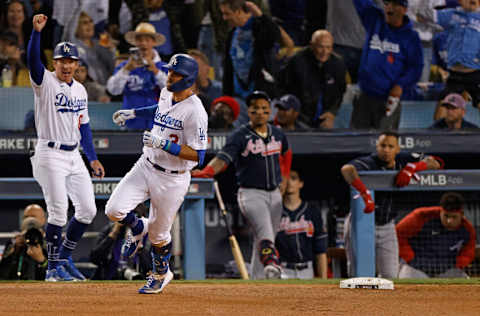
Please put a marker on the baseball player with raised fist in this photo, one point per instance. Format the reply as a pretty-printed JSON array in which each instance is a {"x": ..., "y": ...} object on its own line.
[
  {"x": 62, "y": 122},
  {"x": 387, "y": 157},
  {"x": 176, "y": 144},
  {"x": 262, "y": 158}
]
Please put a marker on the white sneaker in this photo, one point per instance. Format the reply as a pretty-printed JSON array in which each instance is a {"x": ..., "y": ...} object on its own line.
[{"x": 272, "y": 271}]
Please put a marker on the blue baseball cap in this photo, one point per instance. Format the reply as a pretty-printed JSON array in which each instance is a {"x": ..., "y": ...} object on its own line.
[
  {"x": 288, "y": 101},
  {"x": 400, "y": 2}
]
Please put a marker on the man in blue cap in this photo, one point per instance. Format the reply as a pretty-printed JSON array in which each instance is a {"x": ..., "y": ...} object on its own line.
[
  {"x": 288, "y": 109},
  {"x": 392, "y": 62}
]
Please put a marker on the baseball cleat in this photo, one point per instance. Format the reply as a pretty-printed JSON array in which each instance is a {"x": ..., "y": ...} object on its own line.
[
  {"x": 72, "y": 270},
  {"x": 156, "y": 283},
  {"x": 272, "y": 271},
  {"x": 134, "y": 242},
  {"x": 59, "y": 274}
]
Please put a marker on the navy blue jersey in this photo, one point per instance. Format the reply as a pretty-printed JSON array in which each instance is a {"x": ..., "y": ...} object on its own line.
[
  {"x": 384, "y": 212},
  {"x": 428, "y": 246},
  {"x": 256, "y": 159},
  {"x": 301, "y": 235}
]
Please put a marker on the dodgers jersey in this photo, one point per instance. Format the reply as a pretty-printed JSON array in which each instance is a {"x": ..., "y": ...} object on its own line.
[
  {"x": 184, "y": 123},
  {"x": 60, "y": 109}
]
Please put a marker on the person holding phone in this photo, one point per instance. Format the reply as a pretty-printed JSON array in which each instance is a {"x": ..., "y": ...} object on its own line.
[{"x": 142, "y": 76}]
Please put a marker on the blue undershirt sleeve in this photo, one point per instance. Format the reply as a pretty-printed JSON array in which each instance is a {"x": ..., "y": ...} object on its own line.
[
  {"x": 87, "y": 142},
  {"x": 146, "y": 111},
  {"x": 33, "y": 58},
  {"x": 201, "y": 156}
]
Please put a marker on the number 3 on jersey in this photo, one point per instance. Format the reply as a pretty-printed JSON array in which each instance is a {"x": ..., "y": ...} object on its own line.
[{"x": 173, "y": 138}]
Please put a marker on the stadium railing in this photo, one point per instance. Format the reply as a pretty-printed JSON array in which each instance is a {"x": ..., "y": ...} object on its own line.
[
  {"x": 192, "y": 214},
  {"x": 425, "y": 192}
]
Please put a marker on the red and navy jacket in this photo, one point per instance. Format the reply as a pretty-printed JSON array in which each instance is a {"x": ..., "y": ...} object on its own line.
[
  {"x": 385, "y": 210},
  {"x": 301, "y": 235},
  {"x": 426, "y": 245},
  {"x": 259, "y": 162}
]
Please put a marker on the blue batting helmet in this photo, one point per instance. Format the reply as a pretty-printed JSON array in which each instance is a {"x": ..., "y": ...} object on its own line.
[
  {"x": 65, "y": 50},
  {"x": 186, "y": 66}
]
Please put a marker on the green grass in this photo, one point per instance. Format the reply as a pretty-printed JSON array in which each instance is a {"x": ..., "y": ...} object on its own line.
[{"x": 472, "y": 281}]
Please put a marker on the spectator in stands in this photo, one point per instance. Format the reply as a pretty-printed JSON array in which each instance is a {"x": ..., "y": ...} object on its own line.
[
  {"x": 349, "y": 37},
  {"x": 316, "y": 76},
  {"x": 99, "y": 59},
  {"x": 392, "y": 62},
  {"x": 96, "y": 92},
  {"x": 302, "y": 239},
  {"x": 288, "y": 109},
  {"x": 205, "y": 88},
  {"x": 455, "y": 105},
  {"x": 425, "y": 31},
  {"x": 224, "y": 113},
  {"x": 463, "y": 44},
  {"x": 436, "y": 241},
  {"x": 37, "y": 212},
  {"x": 387, "y": 157},
  {"x": 142, "y": 76},
  {"x": 15, "y": 19},
  {"x": 107, "y": 254},
  {"x": 250, "y": 50},
  {"x": 25, "y": 256},
  {"x": 10, "y": 57},
  {"x": 158, "y": 17},
  {"x": 290, "y": 15}
]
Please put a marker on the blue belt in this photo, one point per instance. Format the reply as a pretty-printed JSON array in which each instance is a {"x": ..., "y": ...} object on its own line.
[
  {"x": 165, "y": 170},
  {"x": 62, "y": 146}
]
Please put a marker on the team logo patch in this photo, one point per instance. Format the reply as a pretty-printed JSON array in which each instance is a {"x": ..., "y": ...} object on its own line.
[
  {"x": 201, "y": 133},
  {"x": 167, "y": 121},
  {"x": 64, "y": 104}
]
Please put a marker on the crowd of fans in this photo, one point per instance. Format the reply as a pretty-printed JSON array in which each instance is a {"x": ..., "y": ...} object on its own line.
[{"x": 398, "y": 50}]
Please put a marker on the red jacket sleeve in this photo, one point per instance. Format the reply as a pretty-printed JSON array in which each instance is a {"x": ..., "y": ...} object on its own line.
[
  {"x": 467, "y": 254},
  {"x": 285, "y": 163},
  {"x": 410, "y": 225}
]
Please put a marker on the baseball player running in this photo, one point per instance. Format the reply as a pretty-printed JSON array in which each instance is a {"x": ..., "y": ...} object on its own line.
[
  {"x": 172, "y": 148},
  {"x": 61, "y": 119},
  {"x": 261, "y": 156}
]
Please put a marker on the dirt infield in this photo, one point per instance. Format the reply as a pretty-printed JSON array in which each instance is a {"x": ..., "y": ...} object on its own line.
[{"x": 184, "y": 298}]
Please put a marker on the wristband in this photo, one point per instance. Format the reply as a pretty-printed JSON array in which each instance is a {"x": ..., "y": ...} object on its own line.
[
  {"x": 420, "y": 166},
  {"x": 172, "y": 148}
]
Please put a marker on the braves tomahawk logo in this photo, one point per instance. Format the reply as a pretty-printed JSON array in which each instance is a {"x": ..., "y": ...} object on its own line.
[
  {"x": 257, "y": 146},
  {"x": 296, "y": 227}
]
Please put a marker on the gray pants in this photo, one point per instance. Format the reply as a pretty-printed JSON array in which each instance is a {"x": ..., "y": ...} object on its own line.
[
  {"x": 304, "y": 274},
  {"x": 369, "y": 113},
  {"x": 263, "y": 210},
  {"x": 409, "y": 272},
  {"x": 386, "y": 249}
]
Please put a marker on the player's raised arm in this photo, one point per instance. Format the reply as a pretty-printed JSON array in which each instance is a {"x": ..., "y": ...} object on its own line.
[{"x": 33, "y": 51}]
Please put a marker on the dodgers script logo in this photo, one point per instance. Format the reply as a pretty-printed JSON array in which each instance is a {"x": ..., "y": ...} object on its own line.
[
  {"x": 166, "y": 121},
  {"x": 64, "y": 104},
  {"x": 383, "y": 46}
]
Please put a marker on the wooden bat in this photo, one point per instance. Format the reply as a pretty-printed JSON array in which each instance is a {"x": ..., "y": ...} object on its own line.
[{"x": 237, "y": 253}]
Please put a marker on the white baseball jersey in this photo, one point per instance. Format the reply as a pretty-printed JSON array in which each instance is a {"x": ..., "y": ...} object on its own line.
[
  {"x": 60, "y": 109},
  {"x": 184, "y": 123}
]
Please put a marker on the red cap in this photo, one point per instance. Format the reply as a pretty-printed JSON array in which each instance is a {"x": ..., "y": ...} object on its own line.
[{"x": 231, "y": 102}]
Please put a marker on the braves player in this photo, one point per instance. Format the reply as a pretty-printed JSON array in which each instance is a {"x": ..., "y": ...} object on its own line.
[
  {"x": 301, "y": 240},
  {"x": 261, "y": 157},
  {"x": 436, "y": 241},
  {"x": 387, "y": 157},
  {"x": 62, "y": 122},
  {"x": 172, "y": 148}
]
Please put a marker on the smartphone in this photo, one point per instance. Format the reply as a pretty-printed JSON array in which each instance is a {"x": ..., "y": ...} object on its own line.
[{"x": 135, "y": 53}]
